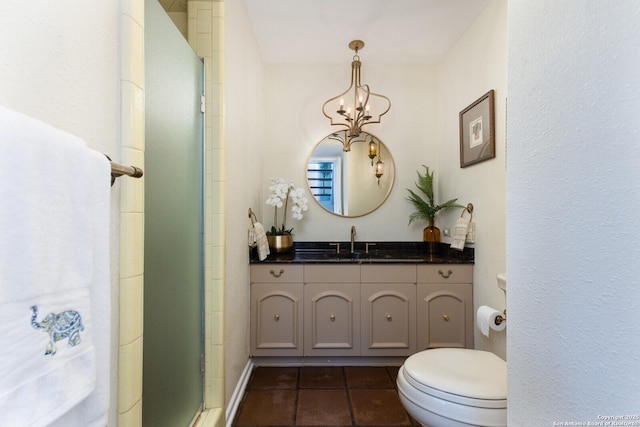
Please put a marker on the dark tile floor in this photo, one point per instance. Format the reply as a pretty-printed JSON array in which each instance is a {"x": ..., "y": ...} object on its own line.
[{"x": 322, "y": 396}]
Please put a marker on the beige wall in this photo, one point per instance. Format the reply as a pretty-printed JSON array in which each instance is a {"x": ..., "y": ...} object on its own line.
[
  {"x": 246, "y": 144},
  {"x": 476, "y": 64}
]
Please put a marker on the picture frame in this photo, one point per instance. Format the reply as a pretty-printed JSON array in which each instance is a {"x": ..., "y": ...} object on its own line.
[{"x": 477, "y": 131}]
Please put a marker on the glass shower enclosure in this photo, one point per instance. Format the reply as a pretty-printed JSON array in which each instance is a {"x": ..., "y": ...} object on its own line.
[{"x": 172, "y": 392}]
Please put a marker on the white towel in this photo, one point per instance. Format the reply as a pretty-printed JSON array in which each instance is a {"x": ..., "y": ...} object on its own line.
[
  {"x": 54, "y": 256},
  {"x": 261, "y": 241},
  {"x": 460, "y": 233}
]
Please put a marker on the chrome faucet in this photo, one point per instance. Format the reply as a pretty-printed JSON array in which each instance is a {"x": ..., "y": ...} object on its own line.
[{"x": 353, "y": 236}]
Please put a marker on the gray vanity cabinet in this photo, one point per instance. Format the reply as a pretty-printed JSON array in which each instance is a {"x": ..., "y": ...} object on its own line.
[
  {"x": 276, "y": 310},
  {"x": 388, "y": 310},
  {"x": 445, "y": 306},
  {"x": 332, "y": 310},
  {"x": 385, "y": 309}
]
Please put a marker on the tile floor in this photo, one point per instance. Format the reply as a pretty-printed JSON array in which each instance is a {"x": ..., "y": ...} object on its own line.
[{"x": 322, "y": 396}]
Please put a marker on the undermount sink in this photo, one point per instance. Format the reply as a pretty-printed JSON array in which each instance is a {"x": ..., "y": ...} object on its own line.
[
  {"x": 322, "y": 256},
  {"x": 342, "y": 256}
]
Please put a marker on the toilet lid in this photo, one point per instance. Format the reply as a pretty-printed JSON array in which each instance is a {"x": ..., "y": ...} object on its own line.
[{"x": 474, "y": 374}]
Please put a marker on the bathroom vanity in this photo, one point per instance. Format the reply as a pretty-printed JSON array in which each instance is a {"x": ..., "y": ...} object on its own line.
[{"x": 391, "y": 301}]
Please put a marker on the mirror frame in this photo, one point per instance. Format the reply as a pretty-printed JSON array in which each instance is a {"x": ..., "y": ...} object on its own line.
[{"x": 387, "y": 159}]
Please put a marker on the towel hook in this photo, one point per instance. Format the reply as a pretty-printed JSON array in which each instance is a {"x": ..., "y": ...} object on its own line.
[
  {"x": 469, "y": 209},
  {"x": 252, "y": 216}
]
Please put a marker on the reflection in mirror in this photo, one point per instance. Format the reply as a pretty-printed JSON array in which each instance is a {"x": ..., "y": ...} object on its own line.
[{"x": 352, "y": 179}]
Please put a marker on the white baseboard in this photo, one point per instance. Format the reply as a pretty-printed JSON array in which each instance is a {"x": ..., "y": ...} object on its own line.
[
  {"x": 329, "y": 361},
  {"x": 238, "y": 393}
]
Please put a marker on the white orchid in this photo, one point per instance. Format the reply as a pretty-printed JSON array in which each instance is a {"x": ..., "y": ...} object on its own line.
[{"x": 279, "y": 193}]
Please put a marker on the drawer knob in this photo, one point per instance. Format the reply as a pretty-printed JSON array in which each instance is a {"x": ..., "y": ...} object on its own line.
[
  {"x": 332, "y": 317},
  {"x": 276, "y": 317},
  {"x": 446, "y": 317},
  {"x": 449, "y": 273},
  {"x": 273, "y": 273},
  {"x": 389, "y": 318}
]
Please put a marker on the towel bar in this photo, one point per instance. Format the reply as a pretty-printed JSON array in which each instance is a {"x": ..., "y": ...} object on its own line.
[{"x": 117, "y": 170}]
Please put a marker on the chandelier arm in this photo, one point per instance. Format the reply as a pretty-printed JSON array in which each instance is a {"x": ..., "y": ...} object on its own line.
[
  {"x": 347, "y": 125},
  {"x": 324, "y": 106},
  {"x": 362, "y": 108},
  {"x": 335, "y": 98},
  {"x": 381, "y": 114}
]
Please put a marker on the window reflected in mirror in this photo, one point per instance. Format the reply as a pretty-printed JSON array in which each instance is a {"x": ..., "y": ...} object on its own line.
[{"x": 354, "y": 182}]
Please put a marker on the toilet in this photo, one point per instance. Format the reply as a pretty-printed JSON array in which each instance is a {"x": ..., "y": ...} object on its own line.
[
  {"x": 451, "y": 387},
  {"x": 454, "y": 387}
]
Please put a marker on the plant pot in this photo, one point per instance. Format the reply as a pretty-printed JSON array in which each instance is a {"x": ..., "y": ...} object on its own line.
[
  {"x": 431, "y": 236},
  {"x": 280, "y": 243}
]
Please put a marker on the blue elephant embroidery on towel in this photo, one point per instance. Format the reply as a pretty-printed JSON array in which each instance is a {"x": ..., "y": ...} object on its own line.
[{"x": 67, "y": 324}]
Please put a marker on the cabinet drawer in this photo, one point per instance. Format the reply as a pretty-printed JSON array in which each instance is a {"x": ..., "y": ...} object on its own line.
[
  {"x": 326, "y": 273},
  {"x": 388, "y": 273},
  {"x": 276, "y": 273},
  {"x": 445, "y": 273}
]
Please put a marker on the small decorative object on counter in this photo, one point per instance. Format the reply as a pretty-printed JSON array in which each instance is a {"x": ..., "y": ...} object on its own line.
[
  {"x": 427, "y": 209},
  {"x": 280, "y": 237}
]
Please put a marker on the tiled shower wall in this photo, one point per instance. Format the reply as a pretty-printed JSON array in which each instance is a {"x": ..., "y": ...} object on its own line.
[
  {"x": 129, "y": 388},
  {"x": 205, "y": 22}
]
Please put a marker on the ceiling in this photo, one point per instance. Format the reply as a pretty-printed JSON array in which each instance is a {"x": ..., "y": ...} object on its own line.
[{"x": 394, "y": 31}]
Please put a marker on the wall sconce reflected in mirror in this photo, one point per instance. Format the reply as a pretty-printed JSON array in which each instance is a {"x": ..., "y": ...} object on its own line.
[
  {"x": 379, "y": 169},
  {"x": 373, "y": 150}
]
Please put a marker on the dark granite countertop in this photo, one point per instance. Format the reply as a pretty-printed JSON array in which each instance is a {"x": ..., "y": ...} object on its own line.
[{"x": 379, "y": 252}]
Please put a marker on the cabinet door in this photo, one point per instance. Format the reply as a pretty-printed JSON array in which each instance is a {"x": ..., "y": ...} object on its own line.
[
  {"x": 445, "y": 315},
  {"x": 332, "y": 319},
  {"x": 276, "y": 319},
  {"x": 388, "y": 319}
]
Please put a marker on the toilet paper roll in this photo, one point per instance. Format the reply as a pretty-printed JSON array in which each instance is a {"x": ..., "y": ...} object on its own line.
[{"x": 486, "y": 319}]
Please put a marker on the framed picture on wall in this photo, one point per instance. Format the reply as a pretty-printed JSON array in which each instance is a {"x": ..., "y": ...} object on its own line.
[{"x": 477, "y": 137}]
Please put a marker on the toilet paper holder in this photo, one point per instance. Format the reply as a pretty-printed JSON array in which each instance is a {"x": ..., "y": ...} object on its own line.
[{"x": 499, "y": 319}]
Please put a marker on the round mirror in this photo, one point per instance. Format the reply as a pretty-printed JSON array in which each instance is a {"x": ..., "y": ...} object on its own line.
[{"x": 350, "y": 179}]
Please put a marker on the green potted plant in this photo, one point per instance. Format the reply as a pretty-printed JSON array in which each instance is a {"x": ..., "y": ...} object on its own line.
[{"x": 427, "y": 209}]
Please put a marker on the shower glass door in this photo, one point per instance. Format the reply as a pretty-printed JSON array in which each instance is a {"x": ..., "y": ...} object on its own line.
[{"x": 172, "y": 392}]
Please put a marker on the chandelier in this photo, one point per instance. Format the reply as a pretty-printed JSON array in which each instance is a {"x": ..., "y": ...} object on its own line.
[{"x": 357, "y": 106}]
